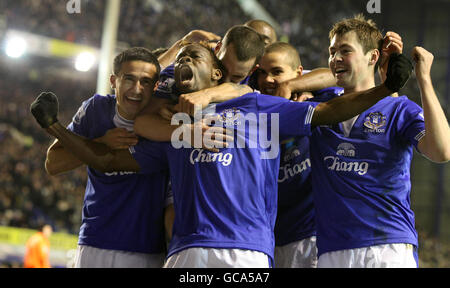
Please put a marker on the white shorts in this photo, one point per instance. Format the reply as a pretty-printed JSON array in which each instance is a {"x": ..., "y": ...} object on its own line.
[
  {"x": 217, "y": 258},
  {"x": 91, "y": 257},
  {"x": 299, "y": 254},
  {"x": 399, "y": 255}
]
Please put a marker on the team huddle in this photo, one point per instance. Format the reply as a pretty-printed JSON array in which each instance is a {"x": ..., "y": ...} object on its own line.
[{"x": 225, "y": 152}]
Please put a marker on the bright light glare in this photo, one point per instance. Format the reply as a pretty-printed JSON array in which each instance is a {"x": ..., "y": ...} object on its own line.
[
  {"x": 84, "y": 61},
  {"x": 16, "y": 47}
]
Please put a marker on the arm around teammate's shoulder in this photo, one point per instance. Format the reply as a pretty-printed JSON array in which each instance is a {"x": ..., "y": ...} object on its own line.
[{"x": 347, "y": 106}]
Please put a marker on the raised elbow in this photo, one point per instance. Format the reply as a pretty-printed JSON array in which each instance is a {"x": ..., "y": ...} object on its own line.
[
  {"x": 445, "y": 156},
  {"x": 439, "y": 157},
  {"x": 50, "y": 169}
]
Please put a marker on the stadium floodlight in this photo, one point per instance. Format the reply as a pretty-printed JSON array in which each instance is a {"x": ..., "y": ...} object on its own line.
[
  {"x": 84, "y": 61},
  {"x": 16, "y": 47}
]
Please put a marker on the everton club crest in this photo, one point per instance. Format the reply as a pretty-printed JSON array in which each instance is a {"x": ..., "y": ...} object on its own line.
[
  {"x": 375, "y": 122},
  {"x": 231, "y": 117}
]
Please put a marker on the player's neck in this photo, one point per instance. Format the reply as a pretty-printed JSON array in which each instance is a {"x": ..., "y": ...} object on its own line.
[{"x": 361, "y": 86}]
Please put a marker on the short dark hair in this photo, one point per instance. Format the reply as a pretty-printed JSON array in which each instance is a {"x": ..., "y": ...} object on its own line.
[
  {"x": 135, "y": 54},
  {"x": 289, "y": 50},
  {"x": 368, "y": 34},
  {"x": 247, "y": 42}
]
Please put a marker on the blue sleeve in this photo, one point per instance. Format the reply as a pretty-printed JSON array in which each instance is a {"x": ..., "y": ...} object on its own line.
[
  {"x": 294, "y": 117},
  {"x": 151, "y": 156},
  {"x": 410, "y": 122},
  {"x": 81, "y": 121},
  {"x": 327, "y": 94}
]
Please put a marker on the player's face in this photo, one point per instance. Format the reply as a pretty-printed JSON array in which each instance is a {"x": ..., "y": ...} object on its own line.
[
  {"x": 134, "y": 85},
  {"x": 348, "y": 62},
  {"x": 193, "y": 69},
  {"x": 237, "y": 70},
  {"x": 274, "y": 68}
]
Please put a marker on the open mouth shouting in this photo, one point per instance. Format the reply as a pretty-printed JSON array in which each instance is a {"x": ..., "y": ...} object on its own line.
[{"x": 185, "y": 76}]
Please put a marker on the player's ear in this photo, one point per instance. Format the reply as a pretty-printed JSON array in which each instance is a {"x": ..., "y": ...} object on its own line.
[
  {"x": 112, "y": 81},
  {"x": 253, "y": 69},
  {"x": 218, "y": 46},
  {"x": 156, "y": 86},
  {"x": 374, "y": 56},
  {"x": 217, "y": 74},
  {"x": 299, "y": 70}
]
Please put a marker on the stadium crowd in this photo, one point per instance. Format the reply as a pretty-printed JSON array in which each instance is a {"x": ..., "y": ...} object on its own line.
[
  {"x": 151, "y": 23},
  {"x": 28, "y": 196}
]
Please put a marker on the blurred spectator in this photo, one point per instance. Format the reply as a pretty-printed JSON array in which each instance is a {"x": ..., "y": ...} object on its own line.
[{"x": 37, "y": 249}]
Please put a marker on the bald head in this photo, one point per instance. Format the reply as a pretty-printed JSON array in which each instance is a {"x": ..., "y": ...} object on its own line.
[
  {"x": 291, "y": 55},
  {"x": 263, "y": 28}
]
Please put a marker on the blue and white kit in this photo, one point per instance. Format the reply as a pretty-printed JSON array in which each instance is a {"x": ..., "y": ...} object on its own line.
[
  {"x": 361, "y": 178},
  {"x": 122, "y": 210},
  {"x": 228, "y": 200}
]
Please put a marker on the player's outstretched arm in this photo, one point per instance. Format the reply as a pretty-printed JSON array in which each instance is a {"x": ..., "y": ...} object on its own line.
[
  {"x": 187, "y": 103},
  {"x": 154, "y": 127},
  {"x": 317, "y": 79},
  {"x": 435, "y": 144},
  {"x": 97, "y": 155},
  {"x": 60, "y": 160},
  {"x": 349, "y": 105}
]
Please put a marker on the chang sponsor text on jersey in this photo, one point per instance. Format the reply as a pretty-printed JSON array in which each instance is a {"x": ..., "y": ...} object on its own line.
[{"x": 347, "y": 150}]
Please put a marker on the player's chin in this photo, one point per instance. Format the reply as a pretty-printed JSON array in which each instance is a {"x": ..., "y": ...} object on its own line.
[
  {"x": 268, "y": 91},
  {"x": 187, "y": 86},
  {"x": 342, "y": 82}
]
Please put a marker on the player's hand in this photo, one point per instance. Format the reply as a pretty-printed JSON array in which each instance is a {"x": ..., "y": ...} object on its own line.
[
  {"x": 192, "y": 102},
  {"x": 301, "y": 97},
  {"x": 423, "y": 61},
  {"x": 203, "y": 135},
  {"x": 392, "y": 43},
  {"x": 118, "y": 138},
  {"x": 196, "y": 36},
  {"x": 45, "y": 109},
  {"x": 398, "y": 73},
  {"x": 167, "y": 111},
  {"x": 283, "y": 90}
]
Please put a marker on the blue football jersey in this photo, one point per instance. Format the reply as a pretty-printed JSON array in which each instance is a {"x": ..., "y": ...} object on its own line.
[
  {"x": 296, "y": 213},
  {"x": 229, "y": 199},
  {"x": 361, "y": 183},
  {"x": 122, "y": 210}
]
